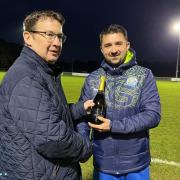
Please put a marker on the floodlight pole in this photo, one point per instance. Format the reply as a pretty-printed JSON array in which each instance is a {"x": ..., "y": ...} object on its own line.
[{"x": 177, "y": 63}]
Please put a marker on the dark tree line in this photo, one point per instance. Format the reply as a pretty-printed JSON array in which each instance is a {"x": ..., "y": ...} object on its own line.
[{"x": 10, "y": 51}]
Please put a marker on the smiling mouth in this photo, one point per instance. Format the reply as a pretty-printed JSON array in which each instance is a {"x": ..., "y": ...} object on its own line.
[
  {"x": 115, "y": 58},
  {"x": 55, "y": 52}
]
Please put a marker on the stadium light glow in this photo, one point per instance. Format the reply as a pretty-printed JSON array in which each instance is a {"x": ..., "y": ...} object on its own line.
[{"x": 177, "y": 28}]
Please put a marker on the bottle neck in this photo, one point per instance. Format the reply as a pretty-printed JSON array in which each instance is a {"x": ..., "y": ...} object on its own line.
[{"x": 102, "y": 84}]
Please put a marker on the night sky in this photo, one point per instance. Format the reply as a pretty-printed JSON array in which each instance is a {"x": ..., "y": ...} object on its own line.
[{"x": 149, "y": 25}]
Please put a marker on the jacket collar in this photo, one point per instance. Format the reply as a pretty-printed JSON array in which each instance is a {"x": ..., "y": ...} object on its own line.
[
  {"x": 53, "y": 69},
  {"x": 116, "y": 70}
]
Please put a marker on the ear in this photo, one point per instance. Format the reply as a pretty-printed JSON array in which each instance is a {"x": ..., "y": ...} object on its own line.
[
  {"x": 27, "y": 38},
  {"x": 128, "y": 45}
]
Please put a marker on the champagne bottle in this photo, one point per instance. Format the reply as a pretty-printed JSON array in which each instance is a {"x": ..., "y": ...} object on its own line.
[{"x": 100, "y": 106}]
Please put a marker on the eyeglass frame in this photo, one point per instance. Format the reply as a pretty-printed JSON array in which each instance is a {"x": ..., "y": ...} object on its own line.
[{"x": 61, "y": 37}]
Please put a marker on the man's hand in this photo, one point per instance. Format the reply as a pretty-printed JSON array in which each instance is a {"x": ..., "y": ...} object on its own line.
[
  {"x": 88, "y": 105},
  {"x": 104, "y": 127}
]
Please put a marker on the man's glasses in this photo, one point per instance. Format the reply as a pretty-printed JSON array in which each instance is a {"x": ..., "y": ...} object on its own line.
[{"x": 50, "y": 36}]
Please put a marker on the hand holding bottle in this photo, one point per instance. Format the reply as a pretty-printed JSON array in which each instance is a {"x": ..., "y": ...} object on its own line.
[{"x": 105, "y": 126}]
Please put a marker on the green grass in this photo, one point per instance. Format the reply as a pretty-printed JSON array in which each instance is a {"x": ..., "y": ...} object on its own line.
[
  {"x": 72, "y": 87},
  {"x": 165, "y": 139}
]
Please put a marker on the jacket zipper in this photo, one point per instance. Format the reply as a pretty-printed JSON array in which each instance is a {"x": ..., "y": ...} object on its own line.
[
  {"x": 56, "y": 167},
  {"x": 116, "y": 146}
]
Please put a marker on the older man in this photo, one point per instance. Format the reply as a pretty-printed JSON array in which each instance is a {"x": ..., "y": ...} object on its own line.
[{"x": 37, "y": 140}]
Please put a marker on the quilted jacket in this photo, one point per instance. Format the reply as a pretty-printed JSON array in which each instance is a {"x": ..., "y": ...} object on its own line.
[
  {"x": 133, "y": 106},
  {"x": 37, "y": 140}
]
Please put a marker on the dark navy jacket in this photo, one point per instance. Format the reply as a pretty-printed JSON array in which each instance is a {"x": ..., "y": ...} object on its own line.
[
  {"x": 37, "y": 140},
  {"x": 133, "y": 106}
]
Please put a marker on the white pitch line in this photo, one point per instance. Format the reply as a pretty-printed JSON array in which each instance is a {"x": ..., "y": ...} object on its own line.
[{"x": 160, "y": 161}]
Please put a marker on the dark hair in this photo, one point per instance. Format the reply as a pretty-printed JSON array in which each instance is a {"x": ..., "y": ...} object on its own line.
[
  {"x": 31, "y": 19},
  {"x": 113, "y": 28}
]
